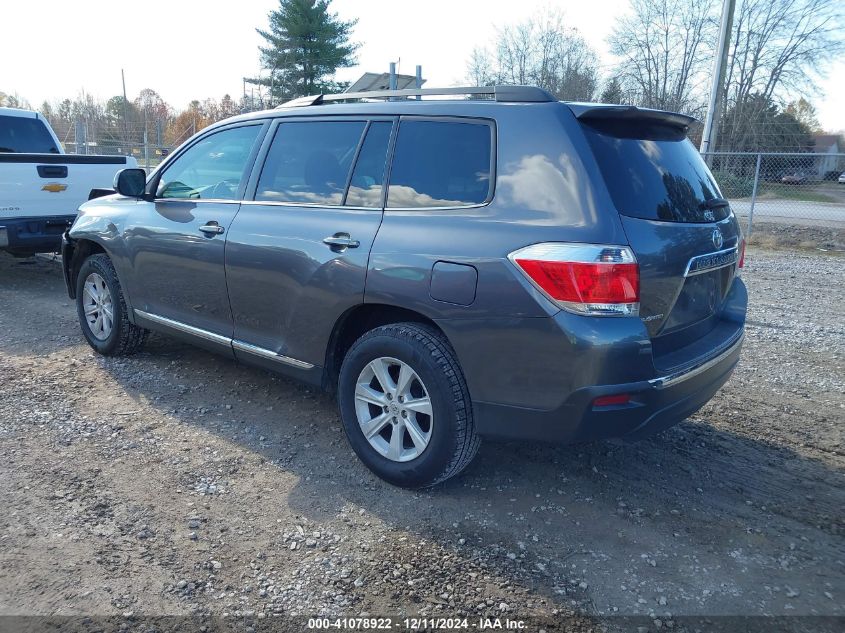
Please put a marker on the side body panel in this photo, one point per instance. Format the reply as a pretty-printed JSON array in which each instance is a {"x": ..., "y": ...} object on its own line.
[
  {"x": 512, "y": 347},
  {"x": 40, "y": 195},
  {"x": 39, "y": 185}
]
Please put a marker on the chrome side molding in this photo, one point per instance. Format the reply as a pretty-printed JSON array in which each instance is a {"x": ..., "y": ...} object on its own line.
[
  {"x": 184, "y": 327},
  {"x": 224, "y": 340},
  {"x": 268, "y": 353}
]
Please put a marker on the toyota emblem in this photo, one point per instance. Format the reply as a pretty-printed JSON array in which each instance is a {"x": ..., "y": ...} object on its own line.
[{"x": 718, "y": 240}]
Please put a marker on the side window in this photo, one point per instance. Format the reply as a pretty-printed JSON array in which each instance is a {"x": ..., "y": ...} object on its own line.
[
  {"x": 365, "y": 188},
  {"x": 309, "y": 162},
  {"x": 212, "y": 169},
  {"x": 440, "y": 164}
]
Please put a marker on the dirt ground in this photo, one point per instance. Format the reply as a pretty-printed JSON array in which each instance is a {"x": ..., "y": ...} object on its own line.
[
  {"x": 773, "y": 236},
  {"x": 178, "y": 482}
]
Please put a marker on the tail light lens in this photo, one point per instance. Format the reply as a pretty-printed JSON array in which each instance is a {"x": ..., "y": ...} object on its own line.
[
  {"x": 741, "y": 262},
  {"x": 609, "y": 401},
  {"x": 592, "y": 279}
]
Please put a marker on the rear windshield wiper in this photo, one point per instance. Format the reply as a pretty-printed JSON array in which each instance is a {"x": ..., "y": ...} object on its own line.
[{"x": 714, "y": 203}]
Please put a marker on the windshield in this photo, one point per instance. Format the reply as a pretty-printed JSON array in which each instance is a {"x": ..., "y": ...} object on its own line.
[
  {"x": 653, "y": 171},
  {"x": 25, "y": 135}
]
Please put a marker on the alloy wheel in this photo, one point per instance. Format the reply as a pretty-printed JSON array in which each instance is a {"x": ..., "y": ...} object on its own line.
[
  {"x": 393, "y": 409},
  {"x": 98, "y": 307}
]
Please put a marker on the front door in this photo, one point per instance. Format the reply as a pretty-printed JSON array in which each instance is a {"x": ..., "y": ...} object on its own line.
[
  {"x": 176, "y": 242},
  {"x": 296, "y": 256}
]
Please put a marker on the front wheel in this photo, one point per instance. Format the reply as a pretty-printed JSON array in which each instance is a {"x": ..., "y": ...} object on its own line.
[
  {"x": 405, "y": 407},
  {"x": 102, "y": 310}
]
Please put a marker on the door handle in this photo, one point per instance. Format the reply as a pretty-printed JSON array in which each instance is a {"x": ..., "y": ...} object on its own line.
[
  {"x": 212, "y": 228},
  {"x": 52, "y": 171},
  {"x": 341, "y": 240}
]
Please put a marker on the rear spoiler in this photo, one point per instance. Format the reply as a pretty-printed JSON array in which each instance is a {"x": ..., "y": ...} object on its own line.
[{"x": 594, "y": 111}]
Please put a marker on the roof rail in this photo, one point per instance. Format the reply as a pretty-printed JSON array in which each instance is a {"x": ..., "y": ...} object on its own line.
[{"x": 511, "y": 94}]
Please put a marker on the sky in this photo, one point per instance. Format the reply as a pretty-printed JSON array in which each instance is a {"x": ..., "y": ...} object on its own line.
[{"x": 195, "y": 49}]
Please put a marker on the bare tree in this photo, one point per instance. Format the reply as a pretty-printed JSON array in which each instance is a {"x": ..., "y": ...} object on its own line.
[
  {"x": 665, "y": 47},
  {"x": 778, "y": 50},
  {"x": 480, "y": 68},
  {"x": 542, "y": 51}
]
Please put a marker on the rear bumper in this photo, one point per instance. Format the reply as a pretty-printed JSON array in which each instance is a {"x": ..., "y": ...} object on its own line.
[
  {"x": 25, "y": 236},
  {"x": 655, "y": 405}
]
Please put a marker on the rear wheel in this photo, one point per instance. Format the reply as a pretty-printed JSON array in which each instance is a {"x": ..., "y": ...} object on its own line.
[
  {"x": 405, "y": 407},
  {"x": 102, "y": 310}
]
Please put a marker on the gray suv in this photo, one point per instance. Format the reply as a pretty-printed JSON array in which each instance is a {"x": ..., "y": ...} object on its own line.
[{"x": 509, "y": 266}]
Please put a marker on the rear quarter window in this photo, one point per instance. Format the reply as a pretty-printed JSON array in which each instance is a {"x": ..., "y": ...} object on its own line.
[
  {"x": 441, "y": 164},
  {"x": 653, "y": 171},
  {"x": 25, "y": 135}
]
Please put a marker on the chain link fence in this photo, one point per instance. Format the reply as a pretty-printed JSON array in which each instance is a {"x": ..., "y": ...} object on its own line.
[
  {"x": 790, "y": 188},
  {"x": 148, "y": 144},
  {"x": 148, "y": 155}
]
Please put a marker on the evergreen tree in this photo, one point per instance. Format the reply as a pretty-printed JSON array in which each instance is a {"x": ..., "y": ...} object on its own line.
[
  {"x": 612, "y": 92},
  {"x": 306, "y": 44}
]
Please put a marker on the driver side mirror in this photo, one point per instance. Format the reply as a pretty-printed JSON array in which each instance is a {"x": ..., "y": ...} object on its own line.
[{"x": 131, "y": 182}]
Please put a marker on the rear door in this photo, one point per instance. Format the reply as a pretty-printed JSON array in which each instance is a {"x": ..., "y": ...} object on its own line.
[
  {"x": 685, "y": 236},
  {"x": 296, "y": 255}
]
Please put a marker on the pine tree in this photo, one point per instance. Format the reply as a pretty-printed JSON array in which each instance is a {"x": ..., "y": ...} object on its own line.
[
  {"x": 612, "y": 92},
  {"x": 306, "y": 44}
]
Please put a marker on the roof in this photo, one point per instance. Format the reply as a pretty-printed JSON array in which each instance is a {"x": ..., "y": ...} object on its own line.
[
  {"x": 432, "y": 107},
  {"x": 453, "y": 102},
  {"x": 29, "y": 114},
  {"x": 826, "y": 141}
]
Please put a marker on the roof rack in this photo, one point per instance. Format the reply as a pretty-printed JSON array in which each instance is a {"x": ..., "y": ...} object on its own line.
[{"x": 510, "y": 94}]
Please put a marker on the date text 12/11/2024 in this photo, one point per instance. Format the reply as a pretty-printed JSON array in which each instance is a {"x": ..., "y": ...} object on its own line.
[{"x": 417, "y": 624}]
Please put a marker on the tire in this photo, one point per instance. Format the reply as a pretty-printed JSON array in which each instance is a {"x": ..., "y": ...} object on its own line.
[
  {"x": 452, "y": 441},
  {"x": 122, "y": 338}
]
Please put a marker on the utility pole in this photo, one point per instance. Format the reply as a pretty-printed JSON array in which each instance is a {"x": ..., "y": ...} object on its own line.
[
  {"x": 711, "y": 122},
  {"x": 125, "y": 114}
]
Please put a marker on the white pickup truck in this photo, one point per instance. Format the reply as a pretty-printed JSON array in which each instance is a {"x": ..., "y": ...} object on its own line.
[{"x": 40, "y": 186}]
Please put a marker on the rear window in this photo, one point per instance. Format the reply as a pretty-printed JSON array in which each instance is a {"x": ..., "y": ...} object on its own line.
[
  {"x": 441, "y": 164},
  {"x": 25, "y": 135},
  {"x": 654, "y": 172}
]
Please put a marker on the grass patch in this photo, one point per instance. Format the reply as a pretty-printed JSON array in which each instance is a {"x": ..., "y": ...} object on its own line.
[
  {"x": 792, "y": 237},
  {"x": 798, "y": 192}
]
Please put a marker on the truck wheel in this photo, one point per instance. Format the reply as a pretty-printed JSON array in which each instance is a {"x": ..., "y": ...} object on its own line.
[
  {"x": 405, "y": 407},
  {"x": 102, "y": 310}
]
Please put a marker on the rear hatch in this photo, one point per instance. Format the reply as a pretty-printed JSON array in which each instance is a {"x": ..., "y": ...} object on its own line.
[{"x": 683, "y": 233}]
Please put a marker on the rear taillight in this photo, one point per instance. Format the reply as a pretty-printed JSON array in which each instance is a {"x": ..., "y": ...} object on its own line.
[
  {"x": 741, "y": 262},
  {"x": 584, "y": 278}
]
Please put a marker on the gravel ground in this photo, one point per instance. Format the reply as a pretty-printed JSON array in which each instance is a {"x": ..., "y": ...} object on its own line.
[{"x": 178, "y": 482}]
